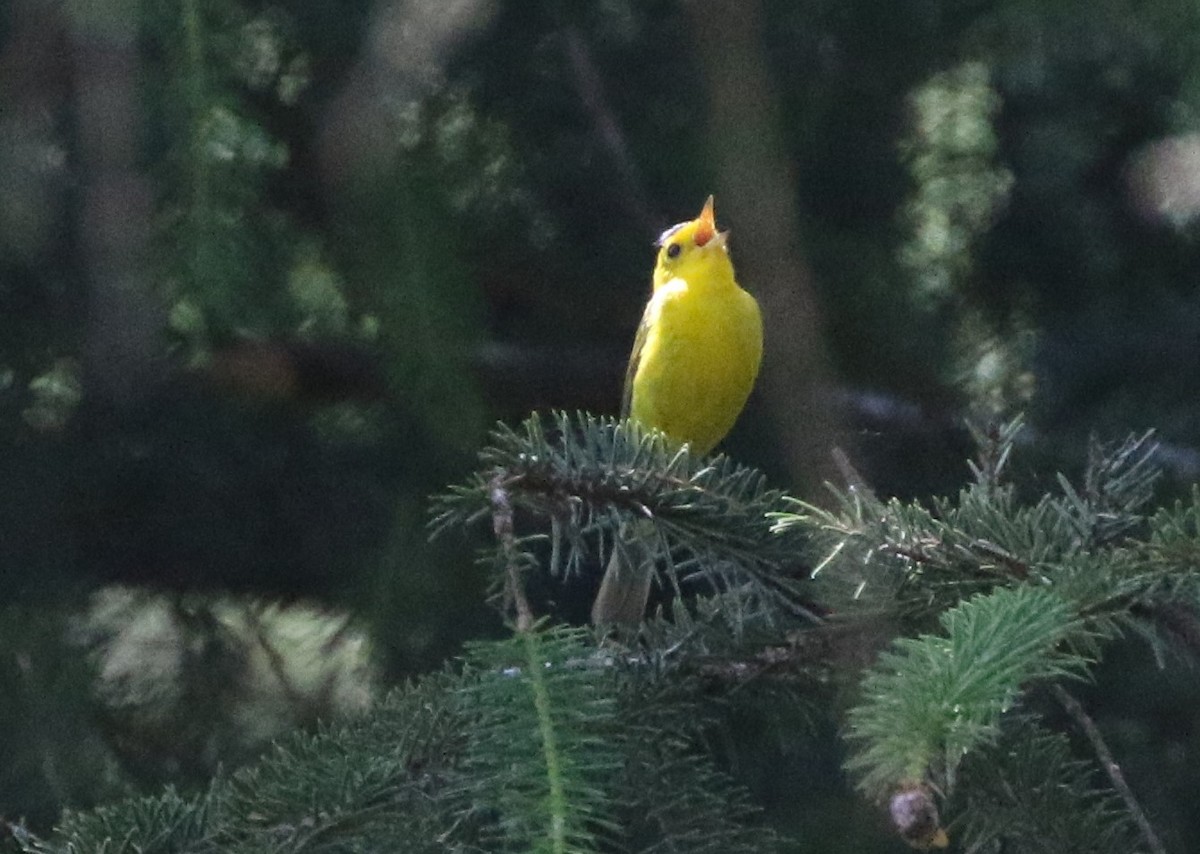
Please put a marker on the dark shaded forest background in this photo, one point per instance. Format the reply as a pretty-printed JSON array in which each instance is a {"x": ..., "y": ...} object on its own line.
[{"x": 270, "y": 271}]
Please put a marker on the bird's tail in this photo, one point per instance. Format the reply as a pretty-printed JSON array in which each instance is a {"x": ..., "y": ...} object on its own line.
[{"x": 625, "y": 588}]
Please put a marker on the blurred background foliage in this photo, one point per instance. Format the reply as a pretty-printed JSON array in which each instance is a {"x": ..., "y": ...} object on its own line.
[{"x": 268, "y": 271}]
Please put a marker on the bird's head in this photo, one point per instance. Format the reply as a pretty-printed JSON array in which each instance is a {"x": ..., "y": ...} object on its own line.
[{"x": 693, "y": 250}]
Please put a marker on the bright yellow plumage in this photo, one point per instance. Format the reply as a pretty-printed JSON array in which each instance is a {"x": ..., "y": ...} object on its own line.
[
  {"x": 699, "y": 345},
  {"x": 694, "y": 362}
]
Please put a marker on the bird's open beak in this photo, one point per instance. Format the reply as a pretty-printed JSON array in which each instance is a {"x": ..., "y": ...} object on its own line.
[{"x": 707, "y": 223}]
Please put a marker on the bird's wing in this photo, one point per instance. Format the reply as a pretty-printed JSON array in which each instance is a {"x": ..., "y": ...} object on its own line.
[
  {"x": 635, "y": 360},
  {"x": 661, "y": 299},
  {"x": 635, "y": 357}
]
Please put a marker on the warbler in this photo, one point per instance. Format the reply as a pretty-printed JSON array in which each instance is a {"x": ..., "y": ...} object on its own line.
[{"x": 695, "y": 358}]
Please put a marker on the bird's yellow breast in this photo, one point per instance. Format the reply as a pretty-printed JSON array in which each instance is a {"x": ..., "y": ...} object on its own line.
[{"x": 698, "y": 360}]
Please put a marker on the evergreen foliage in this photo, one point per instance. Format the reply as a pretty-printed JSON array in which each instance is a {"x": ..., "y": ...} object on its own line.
[
  {"x": 1028, "y": 792},
  {"x": 543, "y": 742},
  {"x": 931, "y": 700},
  {"x": 548, "y": 784},
  {"x": 524, "y": 750},
  {"x": 550, "y": 741},
  {"x": 1026, "y": 594},
  {"x": 586, "y": 475}
]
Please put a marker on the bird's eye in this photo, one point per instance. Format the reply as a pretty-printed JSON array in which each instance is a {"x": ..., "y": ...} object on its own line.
[{"x": 673, "y": 250}]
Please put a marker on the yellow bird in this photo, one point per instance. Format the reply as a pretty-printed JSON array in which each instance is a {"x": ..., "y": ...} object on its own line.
[{"x": 694, "y": 361}]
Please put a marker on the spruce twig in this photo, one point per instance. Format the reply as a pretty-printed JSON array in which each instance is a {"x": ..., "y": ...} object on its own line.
[
  {"x": 556, "y": 802},
  {"x": 1075, "y": 709},
  {"x": 932, "y": 699},
  {"x": 502, "y": 526},
  {"x": 1028, "y": 792},
  {"x": 540, "y": 759}
]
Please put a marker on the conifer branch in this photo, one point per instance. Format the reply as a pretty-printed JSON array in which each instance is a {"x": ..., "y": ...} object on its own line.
[
  {"x": 923, "y": 559},
  {"x": 933, "y": 699},
  {"x": 502, "y": 527},
  {"x": 1073, "y": 708},
  {"x": 586, "y": 475},
  {"x": 557, "y": 797},
  {"x": 1028, "y": 793},
  {"x": 541, "y": 744}
]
